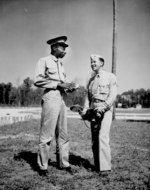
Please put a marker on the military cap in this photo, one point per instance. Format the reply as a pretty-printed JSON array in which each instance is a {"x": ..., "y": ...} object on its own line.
[
  {"x": 95, "y": 56},
  {"x": 59, "y": 40}
]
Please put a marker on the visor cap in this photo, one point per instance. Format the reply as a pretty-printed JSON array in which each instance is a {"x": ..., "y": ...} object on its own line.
[{"x": 59, "y": 40}]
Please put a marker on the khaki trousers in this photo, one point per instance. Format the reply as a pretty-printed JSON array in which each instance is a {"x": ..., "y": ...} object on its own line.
[
  {"x": 100, "y": 131},
  {"x": 53, "y": 124}
]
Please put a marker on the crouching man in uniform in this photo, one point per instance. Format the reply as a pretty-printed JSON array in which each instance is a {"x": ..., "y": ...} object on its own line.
[
  {"x": 50, "y": 76},
  {"x": 102, "y": 91}
]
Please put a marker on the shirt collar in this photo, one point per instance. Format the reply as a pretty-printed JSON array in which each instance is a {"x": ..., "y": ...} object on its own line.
[
  {"x": 53, "y": 58},
  {"x": 99, "y": 74}
]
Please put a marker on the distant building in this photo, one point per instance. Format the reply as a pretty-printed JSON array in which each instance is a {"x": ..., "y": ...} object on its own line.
[
  {"x": 119, "y": 105},
  {"x": 138, "y": 106}
]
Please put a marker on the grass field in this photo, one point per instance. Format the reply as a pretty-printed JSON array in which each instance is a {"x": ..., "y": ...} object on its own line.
[{"x": 130, "y": 145}]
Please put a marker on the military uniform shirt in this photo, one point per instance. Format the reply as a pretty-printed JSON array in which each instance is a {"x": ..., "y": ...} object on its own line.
[
  {"x": 49, "y": 72},
  {"x": 103, "y": 86}
]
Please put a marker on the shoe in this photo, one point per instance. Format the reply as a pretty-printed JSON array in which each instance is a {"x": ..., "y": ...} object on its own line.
[
  {"x": 104, "y": 173},
  {"x": 43, "y": 173}
]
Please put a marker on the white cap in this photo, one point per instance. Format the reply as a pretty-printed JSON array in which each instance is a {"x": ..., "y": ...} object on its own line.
[{"x": 95, "y": 56}]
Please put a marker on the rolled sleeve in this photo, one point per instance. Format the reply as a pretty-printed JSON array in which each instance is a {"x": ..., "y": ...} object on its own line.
[{"x": 42, "y": 81}]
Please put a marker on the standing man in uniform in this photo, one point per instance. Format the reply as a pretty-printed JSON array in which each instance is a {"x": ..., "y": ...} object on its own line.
[
  {"x": 102, "y": 91},
  {"x": 50, "y": 75}
]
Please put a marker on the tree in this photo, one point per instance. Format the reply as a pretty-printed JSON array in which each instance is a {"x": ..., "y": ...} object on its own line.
[
  {"x": 76, "y": 97},
  {"x": 2, "y": 93},
  {"x": 25, "y": 91},
  {"x": 13, "y": 98},
  {"x": 8, "y": 88}
]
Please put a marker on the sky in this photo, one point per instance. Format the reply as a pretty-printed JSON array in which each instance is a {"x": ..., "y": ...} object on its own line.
[{"x": 26, "y": 25}]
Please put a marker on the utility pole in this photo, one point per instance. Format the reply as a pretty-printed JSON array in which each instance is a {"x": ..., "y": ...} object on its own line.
[{"x": 114, "y": 44}]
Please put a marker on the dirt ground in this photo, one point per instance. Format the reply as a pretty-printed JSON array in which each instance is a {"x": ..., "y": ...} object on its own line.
[{"x": 130, "y": 148}]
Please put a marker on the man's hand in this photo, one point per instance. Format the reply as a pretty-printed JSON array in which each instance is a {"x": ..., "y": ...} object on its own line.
[
  {"x": 76, "y": 108},
  {"x": 86, "y": 113},
  {"x": 68, "y": 87},
  {"x": 83, "y": 112},
  {"x": 73, "y": 87},
  {"x": 101, "y": 108},
  {"x": 64, "y": 86}
]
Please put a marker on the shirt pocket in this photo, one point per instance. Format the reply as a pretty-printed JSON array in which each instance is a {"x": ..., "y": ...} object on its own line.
[
  {"x": 51, "y": 71},
  {"x": 103, "y": 88}
]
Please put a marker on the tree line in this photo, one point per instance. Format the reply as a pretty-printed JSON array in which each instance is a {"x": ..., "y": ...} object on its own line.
[
  {"x": 28, "y": 95},
  {"x": 132, "y": 98}
]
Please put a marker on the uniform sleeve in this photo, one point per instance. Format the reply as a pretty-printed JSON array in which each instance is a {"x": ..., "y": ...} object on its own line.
[
  {"x": 113, "y": 91},
  {"x": 40, "y": 79}
]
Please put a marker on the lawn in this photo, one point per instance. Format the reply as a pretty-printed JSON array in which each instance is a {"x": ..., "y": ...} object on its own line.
[{"x": 130, "y": 145}]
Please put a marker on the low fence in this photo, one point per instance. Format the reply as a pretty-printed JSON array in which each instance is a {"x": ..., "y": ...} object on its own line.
[
  {"x": 121, "y": 116},
  {"x": 9, "y": 116},
  {"x": 133, "y": 116},
  {"x": 5, "y": 120}
]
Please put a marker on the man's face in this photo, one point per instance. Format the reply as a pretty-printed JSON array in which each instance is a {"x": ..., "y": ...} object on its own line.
[
  {"x": 96, "y": 64},
  {"x": 60, "y": 51}
]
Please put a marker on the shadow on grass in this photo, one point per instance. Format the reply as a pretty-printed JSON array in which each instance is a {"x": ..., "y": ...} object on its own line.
[
  {"x": 31, "y": 159},
  {"x": 79, "y": 161},
  {"x": 143, "y": 121}
]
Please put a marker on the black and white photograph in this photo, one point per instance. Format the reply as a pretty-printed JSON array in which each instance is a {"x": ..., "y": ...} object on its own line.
[{"x": 74, "y": 95}]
